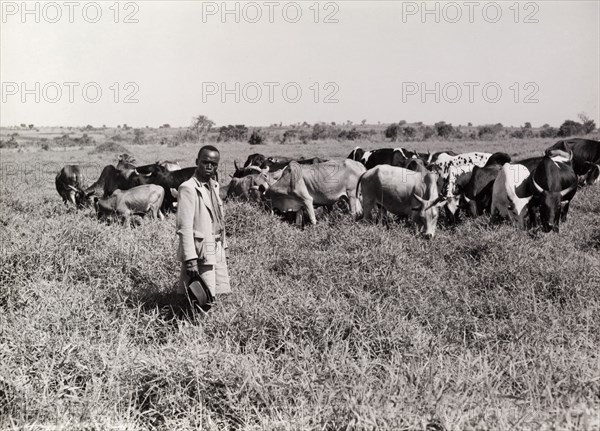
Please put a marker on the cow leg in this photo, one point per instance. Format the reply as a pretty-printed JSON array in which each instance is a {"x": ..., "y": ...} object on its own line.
[
  {"x": 565, "y": 210},
  {"x": 354, "y": 204},
  {"x": 308, "y": 204},
  {"x": 367, "y": 213},
  {"x": 532, "y": 216},
  {"x": 495, "y": 217},
  {"x": 160, "y": 215}
]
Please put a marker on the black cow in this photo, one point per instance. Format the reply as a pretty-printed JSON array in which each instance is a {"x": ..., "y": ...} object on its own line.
[
  {"x": 586, "y": 157},
  {"x": 530, "y": 163},
  {"x": 478, "y": 191},
  {"x": 383, "y": 156},
  {"x": 112, "y": 179},
  {"x": 69, "y": 185},
  {"x": 552, "y": 184}
]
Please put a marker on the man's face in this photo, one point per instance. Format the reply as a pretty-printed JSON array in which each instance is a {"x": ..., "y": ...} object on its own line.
[{"x": 207, "y": 162}]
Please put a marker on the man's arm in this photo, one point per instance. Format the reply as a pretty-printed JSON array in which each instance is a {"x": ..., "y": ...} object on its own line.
[{"x": 186, "y": 208}]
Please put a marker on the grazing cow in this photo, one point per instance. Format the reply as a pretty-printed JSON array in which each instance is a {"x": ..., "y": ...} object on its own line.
[
  {"x": 586, "y": 157},
  {"x": 302, "y": 186},
  {"x": 247, "y": 188},
  {"x": 123, "y": 179},
  {"x": 69, "y": 183},
  {"x": 139, "y": 200},
  {"x": 592, "y": 174},
  {"x": 402, "y": 192},
  {"x": 510, "y": 194},
  {"x": 442, "y": 164},
  {"x": 113, "y": 179},
  {"x": 478, "y": 191},
  {"x": 554, "y": 184}
]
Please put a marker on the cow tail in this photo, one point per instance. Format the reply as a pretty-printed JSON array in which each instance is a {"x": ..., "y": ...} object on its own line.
[{"x": 358, "y": 184}]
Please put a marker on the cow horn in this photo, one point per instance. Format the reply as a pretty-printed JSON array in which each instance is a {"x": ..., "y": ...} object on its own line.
[
  {"x": 419, "y": 198},
  {"x": 70, "y": 187},
  {"x": 567, "y": 191},
  {"x": 402, "y": 152},
  {"x": 255, "y": 168},
  {"x": 236, "y": 165},
  {"x": 537, "y": 186}
]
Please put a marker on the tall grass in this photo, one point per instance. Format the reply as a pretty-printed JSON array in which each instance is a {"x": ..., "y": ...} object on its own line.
[{"x": 338, "y": 326}]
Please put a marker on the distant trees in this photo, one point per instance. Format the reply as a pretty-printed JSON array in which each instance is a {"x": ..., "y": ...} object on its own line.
[
  {"x": 443, "y": 130},
  {"x": 257, "y": 138},
  {"x": 574, "y": 128},
  {"x": 201, "y": 124},
  {"x": 138, "y": 137},
  {"x": 391, "y": 132},
  {"x": 228, "y": 133}
]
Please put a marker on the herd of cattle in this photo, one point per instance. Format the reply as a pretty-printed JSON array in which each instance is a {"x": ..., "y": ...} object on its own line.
[{"x": 405, "y": 183}]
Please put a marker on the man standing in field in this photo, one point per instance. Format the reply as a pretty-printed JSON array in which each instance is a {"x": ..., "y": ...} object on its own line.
[{"x": 201, "y": 229}]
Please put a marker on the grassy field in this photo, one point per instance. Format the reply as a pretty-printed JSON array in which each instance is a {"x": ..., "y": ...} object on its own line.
[{"x": 339, "y": 326}]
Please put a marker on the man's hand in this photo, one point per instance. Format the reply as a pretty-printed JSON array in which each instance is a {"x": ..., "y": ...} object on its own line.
[{"x": 191, "y": 269}]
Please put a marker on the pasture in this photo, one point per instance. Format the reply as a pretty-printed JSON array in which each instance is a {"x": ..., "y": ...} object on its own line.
[{"x": 342, "y": 325}]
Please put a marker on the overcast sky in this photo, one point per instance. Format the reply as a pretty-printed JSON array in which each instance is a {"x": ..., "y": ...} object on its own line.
[{"x": 377, "y": 60}]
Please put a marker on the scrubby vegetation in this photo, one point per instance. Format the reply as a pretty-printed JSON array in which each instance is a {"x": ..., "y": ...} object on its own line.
[
  {"x": 339, "y": 326},
  {"x": 202, "y": 130}
]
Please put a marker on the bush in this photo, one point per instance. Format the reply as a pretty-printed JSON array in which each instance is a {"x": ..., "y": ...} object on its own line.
[
  {"x": 549, "y": 132},
  {"x": 391, "y": 131},
  {"x": 570, "y": 128},
  {"x": 109, "y": 147},
  {"x": 409, "y": 132},
  {"x": 443, "y": 130},
  {"x": 350, "y": 135},
  {"x": 428, "y": 132},
  {"x": 489, "y": 131},
  {"x": 138, "y": 137},
  {"x": 257, "y": 138},
  {"x": 11, "y": 143},
  {"x": 233, "y": 133}
]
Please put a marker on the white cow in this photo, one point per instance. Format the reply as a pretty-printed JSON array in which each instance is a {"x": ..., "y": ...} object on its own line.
[{"x": 402, "y": 192}]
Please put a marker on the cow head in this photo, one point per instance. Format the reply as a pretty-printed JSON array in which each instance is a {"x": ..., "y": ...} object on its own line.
[
  {"x": 426, "y": 214},
  {"x": 591, "y": 175},
  {"x": 550, "y": 205},
  {"x": 517, "y": 209},
  {"x": 247, "y": 170}
]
